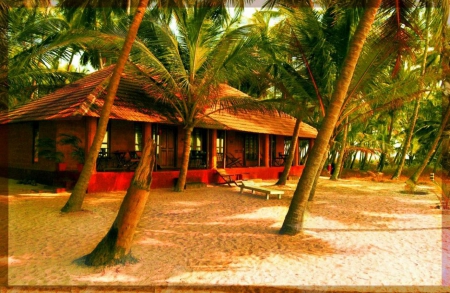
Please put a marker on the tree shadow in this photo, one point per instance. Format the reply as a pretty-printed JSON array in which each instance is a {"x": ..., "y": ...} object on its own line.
[
  {"x": 216, "y": 233},
  {"x": 372, "y": 206}
]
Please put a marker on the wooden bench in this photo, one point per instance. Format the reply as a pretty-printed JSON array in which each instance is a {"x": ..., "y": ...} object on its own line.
[{"x": 249, "y": 185}]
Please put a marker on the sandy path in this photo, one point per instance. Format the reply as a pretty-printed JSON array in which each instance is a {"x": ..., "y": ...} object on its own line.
[{"x": 358, "y": 233}]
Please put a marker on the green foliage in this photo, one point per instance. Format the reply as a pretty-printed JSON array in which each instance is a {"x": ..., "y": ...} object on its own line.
[
  {"x": 47, "y": 150},
  {"x": 74, "y": 141}
]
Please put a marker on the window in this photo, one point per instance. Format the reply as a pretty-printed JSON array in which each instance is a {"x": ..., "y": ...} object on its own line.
[
  {"x": 273, "y": 146},
  {"x": 220, "y": 144},
  {"x": 220, "y": 141},
  {"x": 287, "y": 145},
  {"x": 156, "y": 137},
  {"x": 196, "y": 140},
  {"x": 251, "y": 146},
  {"x": 35, "y": 155},
  {"x": 106, "y": 141},
  {"x": 138, "y": 136}
]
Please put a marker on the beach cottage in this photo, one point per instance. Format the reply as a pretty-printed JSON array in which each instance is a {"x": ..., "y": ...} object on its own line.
[{"x": 249, "y": 143}]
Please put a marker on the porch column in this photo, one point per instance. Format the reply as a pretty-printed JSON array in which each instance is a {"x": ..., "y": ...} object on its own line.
[
  {"x": 213, "y": 150},
  {"x": 295, "y": 162},
  {"x": 311, "y": 143},
  {"x": 91, "y": 128},
  {"x": 266, "y": 151},
  {"x": 146, "y": 132}
]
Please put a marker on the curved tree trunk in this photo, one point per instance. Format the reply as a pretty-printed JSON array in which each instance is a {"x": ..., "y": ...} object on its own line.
[
  {"x": 438, "y": 159},
  {"x": 415, "y": 177},
  {"x": 316, "y": 180},
  {"x": 353, "y": 160},
  {"x": 407, "y": 143},
  {"x": 76, "y": 198},
  {"x": 388, "y": 142},
  {"x": 293, "y": 223},
  {"x": 291, "y": 154},
  {"x": 181, "y": 182},
  {"x": 115, "y": 247},
  {"x": 337, "y": 169}
]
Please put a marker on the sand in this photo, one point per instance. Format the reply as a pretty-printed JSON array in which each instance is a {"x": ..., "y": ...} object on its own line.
[{"x": 358, "y": 233}]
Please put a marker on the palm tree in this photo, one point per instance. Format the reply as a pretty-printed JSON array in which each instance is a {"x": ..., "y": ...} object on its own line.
[
  {"x": 400, "y": 16},
  {"x": 75, "y": 200},
  {"x": 294, "y": 218},
  {"x": 288, "y": 71},
  {"x": 430, "y": 25},
  {"x": 32, "y": 64},
  {"x": 183, "y": 69},
  {"x": 432, "y": 148},
  {"x": 102, "y": 16},
  {"x": 186, "y": 66},
  {"x": 115, "y": 247},
  {"x": 443, "y": 97}
]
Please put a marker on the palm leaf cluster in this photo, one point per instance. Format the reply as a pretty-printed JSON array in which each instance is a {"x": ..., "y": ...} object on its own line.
[{"x": 32, "y": 59}]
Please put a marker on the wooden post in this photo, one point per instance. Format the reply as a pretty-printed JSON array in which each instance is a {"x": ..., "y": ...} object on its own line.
[
  {"x": 266, "y": 151},
  {"x": 91, "y": 128},
  {"x": 295, "y": 162},
  {"x": 213, "y": 149},
  {"x": 146, "y": 132}
]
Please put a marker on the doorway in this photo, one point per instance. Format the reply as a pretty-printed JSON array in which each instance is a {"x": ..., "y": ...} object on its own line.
[{"x": 164, "y": 137}]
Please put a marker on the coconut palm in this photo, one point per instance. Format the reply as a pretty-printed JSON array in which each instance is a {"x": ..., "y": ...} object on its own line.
[
  {"x": 394, "y": 21},
  {"x": 288, "y": 72},
  {"x": 75, "y": 200},
  {"x": 443, "y": 97},
  {"x": 294, "y": 218},
  {"x": 33, "y": 65},
  {"x": 434, "y": 21},
  {"x": 186, "y": 66}
]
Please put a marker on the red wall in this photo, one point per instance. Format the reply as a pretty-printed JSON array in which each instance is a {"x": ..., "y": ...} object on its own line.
[
  {"x": 71, "y": 127},
  {"x": 111, "y": 181},
  {"x": 19, "y": 155}
]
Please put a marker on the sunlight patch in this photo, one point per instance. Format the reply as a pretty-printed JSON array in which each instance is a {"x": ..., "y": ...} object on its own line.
[
  {"x": 388, "y": 215},
  {"x": 193, "y": 203},
  {"x": 183, "y": 211},
  {"x": 4, "y": 261},
  {"x": 43, "y": 194},
  {"x": 107, "y": 277},
  {"x": 12, "y": 260},
  {"x": 413, "y": 200},
  {"x": 204, "y": 223},
  {"x": 350, "y": 185},
  {"x": 267, "y": 213},
  {"x": 152, "y": 241}
]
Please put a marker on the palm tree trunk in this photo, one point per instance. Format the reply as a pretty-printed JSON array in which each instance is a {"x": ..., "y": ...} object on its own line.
[
  {"x": 408, "y": 138},
  {"x": 181, "y": 182},
  {"x": 293, "y": 223},
  {"x": 438, "y": 159},
  {"x": 115, "y": 247},
  {"x": 415, "y": 177},
  {"x": 397, "y": 156},
  {"x": 76, "y": 198},
  {"x": 291, "y": 153},
  {"x": 337, "y": 169},
  {"x": 316, "y": 180},
  {"x": 388, "y": 142},
  {"x": 353, "y": 159},
  {"x": 407, "y": 143},
  {"x": 362, "y": 164}
]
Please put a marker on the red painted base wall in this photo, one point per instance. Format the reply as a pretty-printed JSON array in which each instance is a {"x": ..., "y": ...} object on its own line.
[{"x": 114, "y": 181}]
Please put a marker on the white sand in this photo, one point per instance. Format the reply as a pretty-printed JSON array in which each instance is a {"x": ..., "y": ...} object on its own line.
[{"x": 358, "y": 233}]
